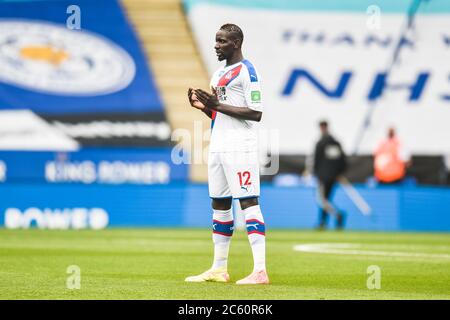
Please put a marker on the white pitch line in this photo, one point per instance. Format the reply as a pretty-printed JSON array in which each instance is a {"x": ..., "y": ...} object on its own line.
[{"x": 349, "y": 248}]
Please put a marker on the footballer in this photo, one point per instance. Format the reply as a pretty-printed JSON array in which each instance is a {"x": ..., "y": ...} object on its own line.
[{"x": 235, "y": 107}]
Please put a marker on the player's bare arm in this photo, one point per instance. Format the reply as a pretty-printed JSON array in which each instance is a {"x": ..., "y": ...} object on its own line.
[
  {"x": 210, "y": 101},
  {"x": 193, "y": 100}
]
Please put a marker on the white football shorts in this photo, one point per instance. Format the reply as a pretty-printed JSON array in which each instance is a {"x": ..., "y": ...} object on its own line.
[{"x": 233, "y": 174}]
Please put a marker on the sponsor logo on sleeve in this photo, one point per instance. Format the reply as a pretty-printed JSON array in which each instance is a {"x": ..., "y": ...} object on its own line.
[{"x": 256, "y": 96}]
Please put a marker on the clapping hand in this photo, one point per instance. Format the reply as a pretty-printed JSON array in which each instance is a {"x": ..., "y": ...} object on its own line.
[
  {"x": 209, "y": 100},
  {"x": 193, "y": 100}
]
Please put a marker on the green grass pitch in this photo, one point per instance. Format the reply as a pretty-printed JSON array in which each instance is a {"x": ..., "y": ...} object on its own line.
[{"x": 152, "y": 264}]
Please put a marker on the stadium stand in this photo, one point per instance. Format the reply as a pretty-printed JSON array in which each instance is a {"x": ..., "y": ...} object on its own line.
[
  {"x": 176, "y": 62},
  {"x": 100, "y": 148},
  {"x": 104, "y": 95}
]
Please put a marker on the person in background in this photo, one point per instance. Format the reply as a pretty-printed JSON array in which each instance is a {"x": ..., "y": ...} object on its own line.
[
  {"x": 391, "y": 159},
  {"x": 329, "y": 163}
]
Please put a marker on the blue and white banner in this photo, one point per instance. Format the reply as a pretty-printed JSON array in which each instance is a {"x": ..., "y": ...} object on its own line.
[
  {"x": 92, "y": 166},
  {"x": 76, "y": 206},
  {"x": 329, "y": 59},
  {"x": 89, "y": 207},
  {"x": 72, "y": 57}
]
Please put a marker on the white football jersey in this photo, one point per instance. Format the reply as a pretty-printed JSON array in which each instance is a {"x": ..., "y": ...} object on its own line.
[{"x": 236, "y": 85}]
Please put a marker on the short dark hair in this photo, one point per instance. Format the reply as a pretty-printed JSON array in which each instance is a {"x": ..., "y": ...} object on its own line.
[
  {"x": 234, "y": 30},
  {"x": 323, "y": 123}
]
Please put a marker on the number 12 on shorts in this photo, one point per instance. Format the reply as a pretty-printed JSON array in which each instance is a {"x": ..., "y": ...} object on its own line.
[{"x": 244, "y": 176}]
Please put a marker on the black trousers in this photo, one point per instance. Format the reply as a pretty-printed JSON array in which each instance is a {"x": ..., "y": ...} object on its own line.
[{"x": 325, "y": 193}]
